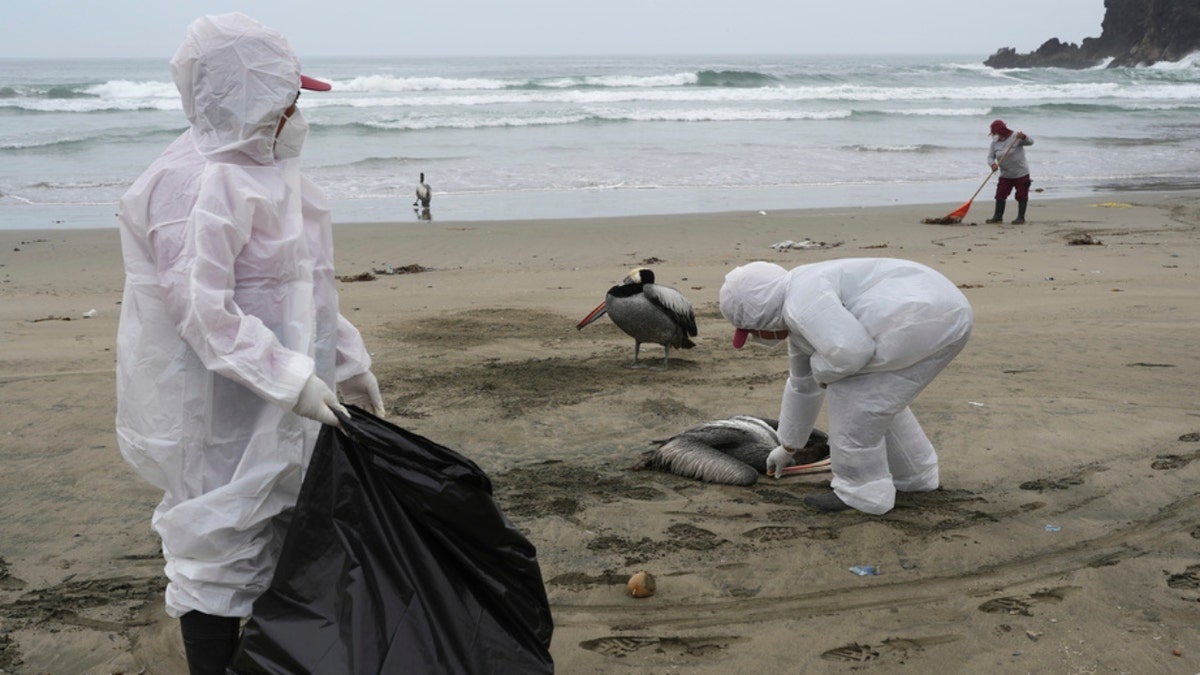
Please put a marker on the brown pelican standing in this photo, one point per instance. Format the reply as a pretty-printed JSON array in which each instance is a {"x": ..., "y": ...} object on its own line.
[
  {"x": 732, "y": 451},
  {"x": 424, "y": 193},
  {"x": 648, "y": 312}
]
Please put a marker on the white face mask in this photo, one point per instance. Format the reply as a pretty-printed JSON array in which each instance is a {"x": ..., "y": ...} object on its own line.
[{"x": 291, "y": 137}]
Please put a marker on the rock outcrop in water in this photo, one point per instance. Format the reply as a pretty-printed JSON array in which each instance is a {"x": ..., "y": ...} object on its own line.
[{"x": 1133, "y": 33}]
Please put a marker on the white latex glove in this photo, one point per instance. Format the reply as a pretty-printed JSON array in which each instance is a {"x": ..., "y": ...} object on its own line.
[
  {"x": 779, "y": 459},
  {"x": 317, "y": 402},
  {"x": 362, "y": 390}
]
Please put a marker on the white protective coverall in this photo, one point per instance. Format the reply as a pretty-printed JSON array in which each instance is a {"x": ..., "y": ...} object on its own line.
[
  {"x": 229, "y": 306},
  {"x": 875, "y": 331}
]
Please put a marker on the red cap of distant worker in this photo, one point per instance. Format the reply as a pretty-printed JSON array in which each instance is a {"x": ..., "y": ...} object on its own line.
[{"x": 1000, "y": 129}]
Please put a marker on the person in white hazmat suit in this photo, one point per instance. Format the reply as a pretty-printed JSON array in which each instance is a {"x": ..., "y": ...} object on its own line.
[
  {"x": 868, "y": 334},
  {"x": 230, "y": 341}
]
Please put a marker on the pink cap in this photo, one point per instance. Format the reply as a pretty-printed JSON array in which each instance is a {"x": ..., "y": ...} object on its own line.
[
  {"x": 739, "y": 338},
  {"x": 313, "y": 84}
]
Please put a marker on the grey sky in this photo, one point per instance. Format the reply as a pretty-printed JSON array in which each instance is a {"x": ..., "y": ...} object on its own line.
[{"x": 103, "y": 28}]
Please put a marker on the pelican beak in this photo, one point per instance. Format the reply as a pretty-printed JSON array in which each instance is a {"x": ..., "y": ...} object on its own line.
[
  {"x": 592, "y": 316},
  {"x": 801, "y": 469}
]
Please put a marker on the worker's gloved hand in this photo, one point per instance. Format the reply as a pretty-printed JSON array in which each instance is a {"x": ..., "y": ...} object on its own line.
[
  {"x": 778, "y": 460},
  {"x": 362, "y": 390},
  {"x": 317, "y": 401}
]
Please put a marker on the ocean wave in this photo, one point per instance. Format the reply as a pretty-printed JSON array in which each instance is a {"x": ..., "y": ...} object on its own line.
[
  {"x": 1189, "y": 62},
  {"x": 62, "y": 144},
  {"x": 1119, "y": 142},
  {"x": 721, "y": 115},
  {"x": 616, "y": 81},
  {"x": 392, "y": 84},
  {"x": 88, "y": 104},
  {"x": 63, "y": 92},
  {"x": 383, "y": 162},
  {"x": 112, "y": 89},
  {"x": 451, "y": 121},
  {"x": 455, "y": 122},
  {"x": 703, "y": 78},
  {"x": 1098, "y": 108},
  {"x": 838, "y": 93},
  {"x": 734, "y": 78},
  {"x": 920, "y": 147},
  {"x": 731, "y": 87},
  {"x": 374, "y": 84},
  {"x": 130, "y": 89},
  {"x": 77, "y": 185},
  {"x": 1162, "y": 107},
  {"x": 926, "y": 112}
]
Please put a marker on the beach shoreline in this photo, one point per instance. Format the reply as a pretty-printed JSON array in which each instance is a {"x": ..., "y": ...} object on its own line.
[
  {"x": 564, "y": 206},
  {"x": 1063, "y": 540}
]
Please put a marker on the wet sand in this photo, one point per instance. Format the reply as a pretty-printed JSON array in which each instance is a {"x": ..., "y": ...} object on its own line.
[{"x": 1064, "y": 538}]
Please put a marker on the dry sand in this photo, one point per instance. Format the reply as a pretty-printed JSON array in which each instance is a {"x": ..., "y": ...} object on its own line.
[{"x": 1074, "y": 406}]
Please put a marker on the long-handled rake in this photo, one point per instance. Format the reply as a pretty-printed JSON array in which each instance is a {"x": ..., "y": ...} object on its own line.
[{"x": 956, "y": 216}]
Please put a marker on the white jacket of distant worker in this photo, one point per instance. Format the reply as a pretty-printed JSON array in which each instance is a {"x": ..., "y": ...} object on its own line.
[
  {"x": 1011, "y": 150},
  {"x": 229, "y": 306}
]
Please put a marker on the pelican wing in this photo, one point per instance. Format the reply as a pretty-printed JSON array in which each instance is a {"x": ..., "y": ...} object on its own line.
[
  {"x": 689, "y": 458},
  {"x": 674, "y": 304}
]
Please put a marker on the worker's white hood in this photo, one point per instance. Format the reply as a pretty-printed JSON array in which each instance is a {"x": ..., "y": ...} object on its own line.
[{"x": 236, "y": 77}]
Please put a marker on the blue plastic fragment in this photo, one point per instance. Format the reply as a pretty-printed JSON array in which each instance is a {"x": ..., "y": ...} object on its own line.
[{"x": 865, "y": 570}]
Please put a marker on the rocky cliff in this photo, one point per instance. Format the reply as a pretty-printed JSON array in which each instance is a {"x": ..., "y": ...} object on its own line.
[{"x": 1133, "y": 33}]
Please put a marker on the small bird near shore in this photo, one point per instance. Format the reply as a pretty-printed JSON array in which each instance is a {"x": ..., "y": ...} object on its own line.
[
  {"x": 648, "y": 312},
  {"x": 424, "y": 193}
]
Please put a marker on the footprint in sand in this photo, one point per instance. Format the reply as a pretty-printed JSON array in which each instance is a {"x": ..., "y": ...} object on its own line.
[
  {"x": 894, "y": 649},
  {"x": 1169, "y": 462},
  {"x": 853, "y": 653},
  {"x": 1023, "y": 605},
  {"x": 1189, "y": 579},
  {"x": 1007, "y": 605},
  {"x": 784, "y": 533},
  {"x": 1043, "y": 484},
  {"x": 624, "y": 645}
]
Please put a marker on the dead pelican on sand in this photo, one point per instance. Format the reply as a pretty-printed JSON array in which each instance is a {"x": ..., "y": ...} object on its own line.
[
  {"x": 648, "y": 312},
  {"x": 732, "y": 451}
]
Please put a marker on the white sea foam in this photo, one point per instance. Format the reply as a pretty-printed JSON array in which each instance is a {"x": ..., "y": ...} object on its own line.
[
  {"x": 1189, "y": 62},
  {"x": 938, "y": 112},
  {"x": 388, "y": 84},
  {"x": 126, "y": 89}
]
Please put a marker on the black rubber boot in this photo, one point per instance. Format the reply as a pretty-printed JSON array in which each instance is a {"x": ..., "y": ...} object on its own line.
[
  {"x": 1020, "y": 213},
  {"x": 999, "y": 217},
  {"x": 828, "y": 502},
  {"x": 209, "y": 641}
]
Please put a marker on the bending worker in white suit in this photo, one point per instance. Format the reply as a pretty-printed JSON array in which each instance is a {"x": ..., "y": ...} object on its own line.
[
  {"x": 869, "y": 334},
  {"x": 230, "y": 341}
]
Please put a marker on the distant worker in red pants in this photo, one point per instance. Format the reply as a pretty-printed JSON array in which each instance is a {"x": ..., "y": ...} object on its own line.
[{"x": 1007, "y": 154}]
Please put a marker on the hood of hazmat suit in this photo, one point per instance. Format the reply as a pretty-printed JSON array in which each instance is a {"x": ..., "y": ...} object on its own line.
[
  {"x": 229, "y": 306},
  {"x": 853, "y": 315}
]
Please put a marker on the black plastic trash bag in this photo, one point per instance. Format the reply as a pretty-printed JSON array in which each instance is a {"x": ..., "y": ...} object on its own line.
[{"x": 397, "y": 560}]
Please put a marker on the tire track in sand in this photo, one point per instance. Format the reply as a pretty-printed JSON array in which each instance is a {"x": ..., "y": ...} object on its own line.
[{"x": 1129, "y": 541}]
